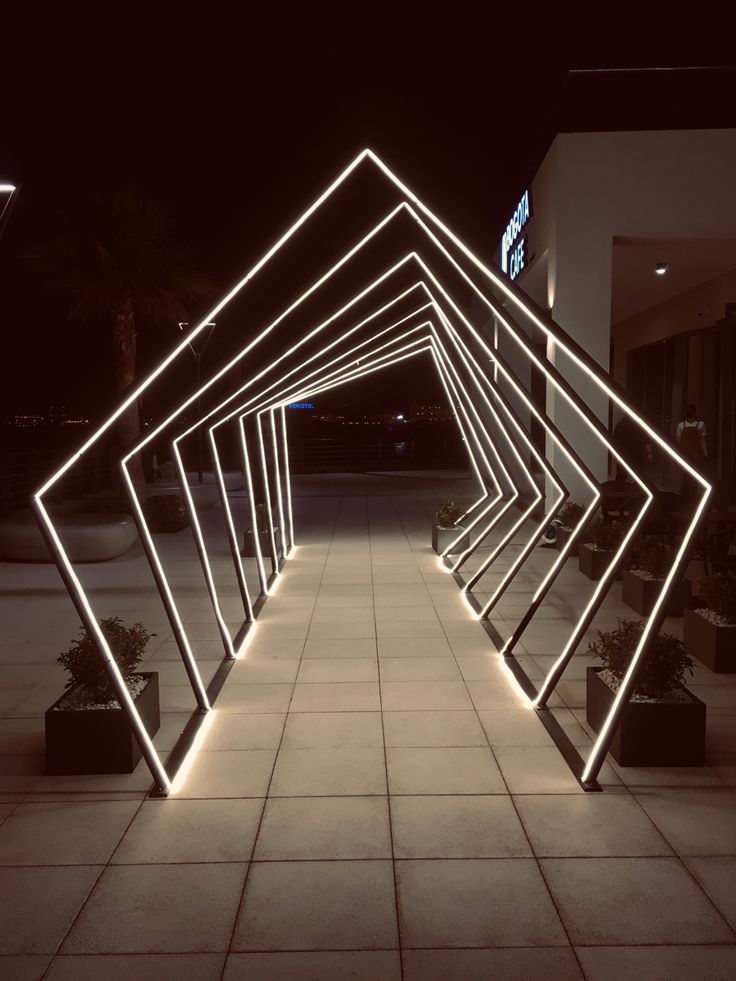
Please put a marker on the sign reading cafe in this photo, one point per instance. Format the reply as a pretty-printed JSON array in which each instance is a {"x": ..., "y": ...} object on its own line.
[{"x": 513, "y": 243}]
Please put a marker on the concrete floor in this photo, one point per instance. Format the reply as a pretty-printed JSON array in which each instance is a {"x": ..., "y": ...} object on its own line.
[{"x": 373, "y": 799}]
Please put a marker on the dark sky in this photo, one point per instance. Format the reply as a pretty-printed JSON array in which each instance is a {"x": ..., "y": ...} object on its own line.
[{"x": 240, "y": 114}]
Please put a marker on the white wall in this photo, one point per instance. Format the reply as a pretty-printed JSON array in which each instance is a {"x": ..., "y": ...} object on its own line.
[{"x": 594, "y": 186}]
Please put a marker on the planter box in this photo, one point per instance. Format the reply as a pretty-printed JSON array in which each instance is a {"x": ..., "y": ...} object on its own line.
[
  {"x": 249, "y": 545},
  {"x": 441, "y": 538},
  {"x": 593, "y": 563},
  {"x": 99, "y": 740},
  {"x": 713, "y": 645},
  {"x": 640, "y": 594},
  {"x": 649, "y": 734},
  {"x": 563, "y": 535}
]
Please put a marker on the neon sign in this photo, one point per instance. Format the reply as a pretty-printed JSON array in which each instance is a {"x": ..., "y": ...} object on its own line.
[
  {"x": 513, "y": 248},
  {"x": 300, "y": 405}
]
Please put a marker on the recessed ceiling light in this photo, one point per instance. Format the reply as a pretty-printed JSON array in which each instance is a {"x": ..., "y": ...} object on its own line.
[{"x": 662, "y": 268}]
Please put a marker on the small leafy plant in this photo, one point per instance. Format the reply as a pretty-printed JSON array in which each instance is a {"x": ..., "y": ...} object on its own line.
[
  {"x": 449, "y": 514},
  {"x": 664, "y": 666},
  {"x": 655, "y": 557},
  {"x": 261, "y": 517},
  {"x": 166, "y": 513},
  {"x": 571, "y": 515},
  {"x": 718, "y": 593},
  {"x": 86, "y": 668},
  {"x": 605, "y": 535}
]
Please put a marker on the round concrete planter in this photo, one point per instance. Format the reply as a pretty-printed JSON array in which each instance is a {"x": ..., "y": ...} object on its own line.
[
  {"x": 650, "y": 733},
  {"x": 442, "y": 537},
  {"x": 99, "y": 740},
  {"x": 204, "y": 495},
  {"x": 86, "y": 537},
  {"x": 264, "y": 540},
  {"x": 714, "y": 645}
]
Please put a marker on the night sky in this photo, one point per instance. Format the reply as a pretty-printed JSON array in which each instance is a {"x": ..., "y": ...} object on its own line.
[{"x": 240, "y": 119}]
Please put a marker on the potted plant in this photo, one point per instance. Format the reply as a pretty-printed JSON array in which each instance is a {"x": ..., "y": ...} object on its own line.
[
  {"x": 664, "y": 723},
  {"x": 249, "y": 545},
  {"x": 710, "y": 628},
  {"x": 446, "y": 528},
  {"x": 166, "y": 513},
  {"x": 643, "y": 583},
  {"x": 86, "y": 729},
  {"x": 568, "y": 519},
  {"x": 603, "y": 538}
]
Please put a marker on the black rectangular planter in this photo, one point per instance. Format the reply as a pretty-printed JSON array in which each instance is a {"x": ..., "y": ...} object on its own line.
[
  {"x": 713, "y": 645},
  {"x": 640, "y": 594},
  {"x": 650, "y": 733},
  {"x": 593, "y": 563},
  {"x": 249, "y": 546},
  {"x": 99, "y": 740},
  {"x": 563, "y": 535}
]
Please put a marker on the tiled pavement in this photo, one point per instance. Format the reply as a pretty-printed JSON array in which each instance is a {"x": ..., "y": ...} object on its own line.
[{"x": 372, "y": 801}]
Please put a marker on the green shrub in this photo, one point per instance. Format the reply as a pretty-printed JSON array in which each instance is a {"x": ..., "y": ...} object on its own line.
[
  {"x": 261, "y": 517},
  {"x": 449, "y": 514},
  {"x": 655, "y": 557},
  {"x": 605, "y": 535},
  {"x": 87, "y": 669},
  {"x": 664, "y": 664},
  {"x": 571, "y": 515},
  {"x": 718, "y": 593},
  {"x": 166, "y": 513}
]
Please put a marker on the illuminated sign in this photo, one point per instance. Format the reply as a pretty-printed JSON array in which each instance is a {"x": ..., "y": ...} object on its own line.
[
  {"x": 301, "y": 405},
  {"x": 513, "y": 247}
]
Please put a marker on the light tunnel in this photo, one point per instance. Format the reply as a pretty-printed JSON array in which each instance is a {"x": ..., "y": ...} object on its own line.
[{"x": 431, "y": 316}]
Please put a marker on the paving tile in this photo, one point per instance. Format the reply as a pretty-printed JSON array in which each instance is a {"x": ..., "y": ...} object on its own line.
[
  {"x": 413, "y": 647},
  {"x": 350, "y": 647},
  {"x": 484, "y": 668},
  {"x": 261, "y": 698},
  {"x": 430, "y": 729},
  {"x": 336, "y": 697},
  {"x": 424, "y": 695},
  {"x": 518, "y": 964},
  {"x": 64, "y": 833},
  {"x": 467, "y": 770},
  {"x": 332, "y": 669},
  {"x": 140, "y": 967},
  {"x": 514, "y": 727},
  {"x": 333, "y": 730},
  {"x": 457, "y": 827},
  {"x": 476, "y": 903},
  {"x": 632, "y": 901},
  {"x": 405, "y": 614},
  {"x": 671, "y": 963},
  {"x": 178, "y": 831},
  {"x": 360, "y": 965},
  {"x": 261, "y": 671},
  {"x": 716, "y": 877},
  {"x": 247, "y": 731},
  {"x": 536, "y": 770},
  {"x": 419, "y": 669},
  {"x": 229, "y": 774},
  {"x": 329, "y": 772},
  {"x": 589, "y": 824},
  {"x": 350, "y": 629},
  {"x": 30, "y": 967},
  {"x": 38, "y": 905},
  {"x": 318, "y": 906},
  {"x": 697, "y": 822},
  {"x": 343, "y": 614},
  {"x": 324, "y": 828},
  {"x": 494, "y": 695},
  {"x": 139, "y": 909},
  {"x": 413, "y": 629}
]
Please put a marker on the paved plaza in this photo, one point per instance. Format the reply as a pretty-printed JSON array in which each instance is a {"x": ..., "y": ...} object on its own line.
[{"x": 373, "y": 800}]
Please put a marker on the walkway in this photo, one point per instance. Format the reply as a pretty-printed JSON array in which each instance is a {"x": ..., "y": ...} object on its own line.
[{"x": 373, "y": 801}]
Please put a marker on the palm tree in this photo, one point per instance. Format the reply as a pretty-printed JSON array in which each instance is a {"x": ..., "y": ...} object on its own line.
[{"x": 115, "y": 258}]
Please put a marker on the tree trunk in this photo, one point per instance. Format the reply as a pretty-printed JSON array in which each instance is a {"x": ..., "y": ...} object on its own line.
[{"x": 123, "y": 359}]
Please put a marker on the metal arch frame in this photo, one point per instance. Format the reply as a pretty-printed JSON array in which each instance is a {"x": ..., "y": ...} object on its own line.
[{"x": 576, "y": 355}]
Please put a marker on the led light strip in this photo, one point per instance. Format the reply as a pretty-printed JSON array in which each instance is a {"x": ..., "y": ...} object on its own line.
[{"x": 580, "y": 359}]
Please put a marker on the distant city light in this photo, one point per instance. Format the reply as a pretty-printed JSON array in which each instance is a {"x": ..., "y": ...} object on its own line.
[{"x": 662, "y": 268}]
